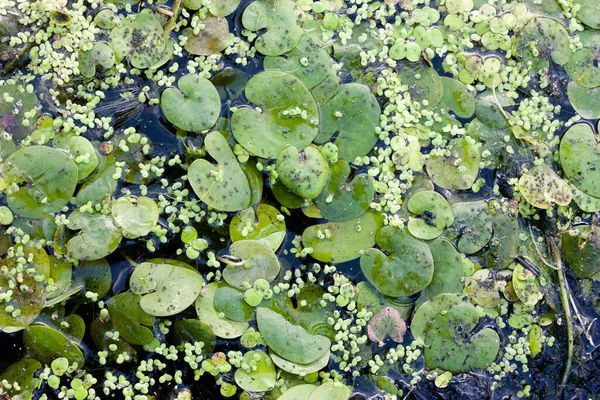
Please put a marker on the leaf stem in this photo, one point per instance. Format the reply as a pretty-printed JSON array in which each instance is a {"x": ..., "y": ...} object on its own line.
[{"x": 171, "y": 22}]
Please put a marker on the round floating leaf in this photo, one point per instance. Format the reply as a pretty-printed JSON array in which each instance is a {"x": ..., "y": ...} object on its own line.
[
  {"x": 342, "y": 241},
  {"x": 580, "y": 158},
  {"x": 98, "y": 330},
  {"x": 541, "y": 187},
  {"x": 24, "y": 373},
  {"x": 101, "y": 54},
  {"x": 586, "y": 202},
  {"x": 451, "y": 346},
  {"x": 99, "y": 185},
  {"x": 263, "y": 224},
  {"x": 585, "y": 101},
  {"x": 257, "y": 262},
  {"x": 130, "y": 319},
  {"x": 288, "y": 115},
  {"x": 230, "y": 301},
  {"x": 588, "y": 13},
  {"x": 426, "y": 313},
  {"x": 60, "y": 273},
  {"x": 46, "y": 180},
  {"x": 489, "y": 110},
  {"x": 457, "y": 98},
  {"x": 16, "y": 106},
  {"x": 583, "y": 66},
  {"x": 331, "y": 391},
  {"x": 305, "y": 173},
  {"x": 291, "y": 342},
  {"x": 143, "y": 39},
  {"x": 582, "y": 251},
  {"x": 46, "y": 344},
  {"x": 285, "y": 197},
  {"x": 168, "y": 287},
  {"x": 424, "y": 83},
  {"x": 223, "y": 187},
  {"x": 192, "y": 331},
  {"x": 472, "y": 226},
  {"x": 309, "y": 62},
  {"x": 84, "y": 154},
  {"x": 222, "y": 327},
  {"x": 195, "y": 107},
  {"x": 341, "y": 199},
  {"x": 281, "y": 26},
  {"x": 301, "y": 369},
  {"x": 526, "y": 286},
  {"x": 433, "y": 214},
  {"x": 326, "y": 89},
  {"x": 213, "y": 39},
  {"x": 96, "y": 277},
  {"x": 261, "y": 377},
  {"x": 449, "y": 270},
  {"x": 98, "y": 236},
  {"x": 387, "y": 322},
  {"x": 135, "y": 216},
  {"x": 483, "y": 288},
  {"x": 222, "y": 8},
  {"x": 446, "y": 172},
  {"x": 230, "y": 83},
  {"x": 353, "y": 114},
  {"x": 407, "y": 270},
  {"x": 298, "y": 392},
  {"x": 542, "y": 39}
]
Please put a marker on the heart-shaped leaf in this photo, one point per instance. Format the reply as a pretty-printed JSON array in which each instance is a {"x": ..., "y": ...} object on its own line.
[
  {"x": 98, "y": 236},
  {"x": 24, "y": 372},
  {"x": 230, "y": 302},
  {"x": 101, "y": 54},
  {"x": 472, "y": 226},
  {"x": 45, "y": 343},
  {"x": 262, "y": 375},
  {"x": 301, "y": 369},
  {"x": 305, "y": 173},
  {"x": 263, "y": 224},
  {"x": 583, "y": 66},
  {"x": 257, "y": 261},
  {"x": 432, "y": 214},
  {"x": 585, "y": 101},
  {"x": 211, "y": 40},
  {"x": 222, "y": 327},
  {"x": 449, "y": 269},
  {"x": 450, "y": 173},
  {"x": 192, "y": 331},
  {"x": 135, "y": 216},
  {"x": 457, "y": 98},
  {"x": 543, "y": 39},
  {"x": 387, "y": 322},
  {"x": 223, "y": 187},
  {"x": 541, "y": 187},
  {"x": 580, "y": 158},
  {"x": 581, "y": 248},
  {"x": 129, "y": 319}
]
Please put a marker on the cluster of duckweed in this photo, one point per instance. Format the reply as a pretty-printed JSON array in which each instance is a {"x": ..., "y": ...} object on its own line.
[{"x": 289, "y": 199}]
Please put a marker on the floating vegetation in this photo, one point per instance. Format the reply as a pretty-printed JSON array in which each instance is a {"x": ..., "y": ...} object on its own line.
[{"x": 299, "y": 200}]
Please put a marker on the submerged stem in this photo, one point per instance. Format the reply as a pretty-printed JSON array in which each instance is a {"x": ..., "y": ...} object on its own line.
[{"x": 171, "y": 22}]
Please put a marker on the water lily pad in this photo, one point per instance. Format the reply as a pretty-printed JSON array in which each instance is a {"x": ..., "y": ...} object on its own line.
[
  {"x": 298, "y": 392},
  {"x": 489, "y": 107},
  {"x": 583, "y": 66},
  {"x": 223, "y": 187},
  {"x": 222, "y": 327},
  {"x": 99, "y": 185},
  {"x": 472, "y": 226},
  {"x": 352, "y": 114},
  {"x": 288, "y": 115},
  {"x": 588, "y": 13},
  {"x": 213, "y": 39},
  {"x": 143, "y": 39},
  {"x": 342, "y": 241},
  {"x": 542, "y": 39},
  {"x": 301, "y": 369},
  {"x": 446, "y": 172},
  {"x": 331, "y": 391},
  {"x": 262, "y": 377},
  {"x": 449, "y": 269},
  {"x": 129, "y": 319},
  {"x": 483, "y": 288},
  {"x": 135, "y": 216},
  {"x": 24, "y": 373},
  {"x": 303, "y": 172},
  {"x": 262, "y": 224},
  {"x": 257, "y": 261},
  {"x": 16, "y": 106},
  {"x": 46, "y": 180},
  {"x": 585, "y": 101},
  {"x": 222, "y": 8},
  {"x": 99, "y": 55},
  {"x": 98, "y": 329},
  {"x": 431, "y": 214},
  {"x": 230, "y": 301},
  {"x": 426, "y": 313},
  {"x": 291, "y": 342},
  {"x": 61, "y": 274},
  {"x": 584, "y": 201},
  {"x": 195, "y": 107},
  {"x": 387, "y": 322},
  {"x": 541, "y": 187},
  {"x": 341, "y": 199},
  {"x": 167, "y": 287},
  {"x": 452, "y": 346},
  {"x": 424, "y": 83},
  {"x": 98, "y": 237},
  {"x": 580, "y": 158},
  {"x": 45, "y": 343},
  {"x": 192, "y": 331},
  {"x": 581, "y": 252},
  {"x": 95, "y": 275},
  {"x": 281, "y": 26},
  {"x": 457, "y": 98},
  {"x": 526, "y": 285}
]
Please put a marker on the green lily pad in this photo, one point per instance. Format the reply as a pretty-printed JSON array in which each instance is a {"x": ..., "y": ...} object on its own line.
[
  {"x": 46, "y": 180},
  {"x": 353, "y": 114},
  {"x": 281, "y": 26},
  {"x": 192, "y": 331},
  {"x": 406, "y": 271},
  {"x": 303, "y": 172},
  {"x": 580, "y": 158},
  {"x": 301, "y": 369},
  {"x": 262, "y": 224},
  {"x": 22, "y": 372},
  {"x": 325, "y": 90},
  {"x": 449, "y": 270},
  {"x": 457, "y": 98},
  {"x": 213, "y": 39},
  {"x": 291, "y": 342},
  {"x": 331, "y": 391},
  {"x": 342, "y": 241},
  {"x": 542, "y": 39},
  {"x": 451, "y": 345},
  {"x": 585, "y": 101},
  {"x": 230, "y": 301},
  {"x": 99, "y": 185},
  {"x": 95, "y": 275},
  {"x": 483, "y": 288},
  {"x": 472, "y": 226},
  {"x": 99, "y": 55},
  {"x": 424, "y": 83},
  {"x": 298, "y": 392},
  {"x": 44, "y": 343},
  {"x": 257, "y": 262},
  {"x": 143, "y": 39},
  {"x": 222, "y": 8},
  {"x": 262, "y": 377},
  {"x": 223, "y": 187},
  {"x": 488, "y": 109},
  {"x": 222, "y": 327},
  {"x": 526, "y": 285},
  {"x": 371, "y": 300},
  {"x": 129, "y": 319},
  {"x": 167, "y": 287},
  {"x": 288, "y": 115},
  {"x": 195, "y": 107},
  {"x": 584, "y": 201},
  {"x": 541, "y": 187},
  {"x": 16, "y": 106},
  {"x": 581, "y": 252},
  {"x": 588, "y": 13},
  {"x": 286, "y": 197},
  {"x": 341, "y": 199},
  {"x": 447, "y": 173},
  {"x": 426, "y": 313},
  {"x": 135, "y": 216},
  {"x": 98, "y": 329},
  {"x": 432, "y": 216},
  {"x": 61, "y": 273},
  {"x": 583, "y": 66},
  {"x": 387, "y": 322},
  {"x": 98, "y": 237},
  {"x": 84, "y": 154}
]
